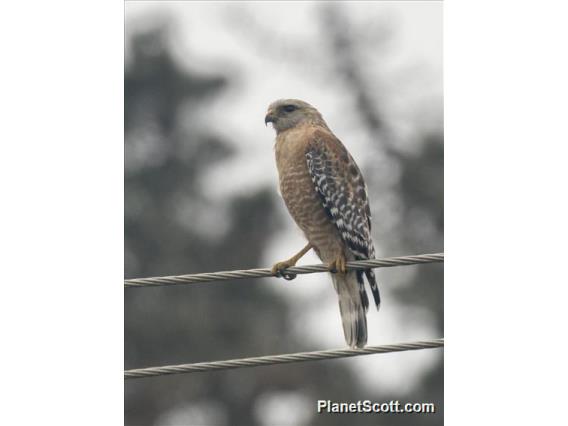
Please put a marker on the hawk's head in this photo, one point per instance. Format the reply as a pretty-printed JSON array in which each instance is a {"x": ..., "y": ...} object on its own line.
[{"x": 287, "y": 113}]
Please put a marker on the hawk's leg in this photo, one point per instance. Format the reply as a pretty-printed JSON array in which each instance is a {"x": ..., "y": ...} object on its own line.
[
  {"x": 279, "y": 266},
  {"x": 338, "y": 264}
]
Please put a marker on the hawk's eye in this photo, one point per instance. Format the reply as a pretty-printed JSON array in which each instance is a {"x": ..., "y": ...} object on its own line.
[{"x": 290, "y": 108}]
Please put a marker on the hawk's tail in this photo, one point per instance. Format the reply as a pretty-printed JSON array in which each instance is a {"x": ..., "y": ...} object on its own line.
[
  {"x": 353, "y": 305},
  {"x": 374, "y": 287}
]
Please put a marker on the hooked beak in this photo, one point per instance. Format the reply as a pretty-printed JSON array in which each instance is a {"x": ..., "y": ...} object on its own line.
[{"x": 270, "y": 118}]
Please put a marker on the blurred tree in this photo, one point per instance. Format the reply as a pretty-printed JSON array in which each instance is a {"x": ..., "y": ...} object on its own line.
[
  {"x": 173, "y": 227},
  {"x": 343, "y": 63},
  {"x": 419, "y": 190}
]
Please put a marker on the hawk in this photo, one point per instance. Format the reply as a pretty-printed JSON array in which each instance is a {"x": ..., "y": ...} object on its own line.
[{"x": 326, "y": 196}]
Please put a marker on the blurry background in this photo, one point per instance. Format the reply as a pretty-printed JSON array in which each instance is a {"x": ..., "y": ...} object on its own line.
[{"x": 201, "y": 195}]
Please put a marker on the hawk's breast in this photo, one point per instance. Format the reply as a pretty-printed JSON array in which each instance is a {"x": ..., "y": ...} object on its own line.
[{"x": 299, "y": 194}]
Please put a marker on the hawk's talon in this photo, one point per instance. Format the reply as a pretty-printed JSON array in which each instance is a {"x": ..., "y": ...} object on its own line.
[
  {"x": 279, "y": 268},
  {"x": 288, "y": 276},
  {"x": 338, "y": 265}
]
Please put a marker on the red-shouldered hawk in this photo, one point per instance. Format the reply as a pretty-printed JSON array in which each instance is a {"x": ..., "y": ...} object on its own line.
[{"x": 327, "y": 197}]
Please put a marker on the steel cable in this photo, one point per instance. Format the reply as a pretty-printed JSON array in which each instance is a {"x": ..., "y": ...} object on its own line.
[
  {"x": 289, "y": 273},
  {"x": 280, "y": 359}
]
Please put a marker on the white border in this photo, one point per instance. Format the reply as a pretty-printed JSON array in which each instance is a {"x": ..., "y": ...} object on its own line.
[
  {"x": 505, "y": 193},
  {"x": 62, "y": 213}
]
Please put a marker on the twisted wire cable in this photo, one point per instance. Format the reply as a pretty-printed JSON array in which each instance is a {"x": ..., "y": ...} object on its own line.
[
  {"x": 288, "y": 274},
  {"x": 280, "y": 359}
]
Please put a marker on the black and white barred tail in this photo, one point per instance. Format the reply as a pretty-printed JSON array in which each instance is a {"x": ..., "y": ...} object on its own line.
[{"x": 353, "y": 305}]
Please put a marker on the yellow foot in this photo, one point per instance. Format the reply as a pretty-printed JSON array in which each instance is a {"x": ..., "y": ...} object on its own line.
[
  {"x": 338, "y": 265},
  {"x": 280, "y": 266}
]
